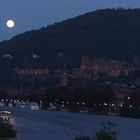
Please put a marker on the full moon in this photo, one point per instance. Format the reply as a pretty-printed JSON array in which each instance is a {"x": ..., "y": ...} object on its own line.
[{"x": 10, "y": 24}]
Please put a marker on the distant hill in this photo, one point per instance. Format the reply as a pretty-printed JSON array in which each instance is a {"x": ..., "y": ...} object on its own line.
[{"x": 107, "y": 33}]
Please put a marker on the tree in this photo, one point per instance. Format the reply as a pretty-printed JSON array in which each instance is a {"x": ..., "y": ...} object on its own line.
[
  {"x": 106, "y": 133},
  {"x": 3, "y": 94}
]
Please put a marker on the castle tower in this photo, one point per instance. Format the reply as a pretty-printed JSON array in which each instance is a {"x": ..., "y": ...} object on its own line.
[{"x": 64, "y": 79}]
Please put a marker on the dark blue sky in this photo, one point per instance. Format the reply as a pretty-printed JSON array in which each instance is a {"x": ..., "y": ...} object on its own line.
[{"x": 34, "y": 14}]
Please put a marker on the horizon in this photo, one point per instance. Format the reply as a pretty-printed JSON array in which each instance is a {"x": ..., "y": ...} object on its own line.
[{"x": 42, "y": 14}]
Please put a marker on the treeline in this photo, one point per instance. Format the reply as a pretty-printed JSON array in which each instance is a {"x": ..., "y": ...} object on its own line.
[
  {"x": 107, "y": 33},
  {"x": 74, "y": 95}
]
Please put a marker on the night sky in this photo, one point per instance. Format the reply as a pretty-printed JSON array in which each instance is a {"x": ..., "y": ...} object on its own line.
[{"x": 34, "y": 14}]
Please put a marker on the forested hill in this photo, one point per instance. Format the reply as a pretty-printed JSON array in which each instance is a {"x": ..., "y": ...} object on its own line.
[{"x": 107, "y": 33}]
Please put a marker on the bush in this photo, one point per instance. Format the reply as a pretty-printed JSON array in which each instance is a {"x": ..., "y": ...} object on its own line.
[
  {"x": 6, "y": 130},
  {"x": 103, "y": 135},
  {"x": 106, "y": 133},
  {"x": 83, "y": 138}
]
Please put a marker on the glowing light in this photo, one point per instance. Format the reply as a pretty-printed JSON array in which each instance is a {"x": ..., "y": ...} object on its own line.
[
  {"x": 105, "y": 104},
  {"x": 128, "y": 98},
  {"x": 113, "y": 104},
  {"x": 10, "y": 23},
  {"x": 121, "y": 105}
]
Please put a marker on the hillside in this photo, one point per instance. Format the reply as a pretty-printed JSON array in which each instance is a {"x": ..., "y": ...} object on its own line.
[{"x": 104, "y": 33}]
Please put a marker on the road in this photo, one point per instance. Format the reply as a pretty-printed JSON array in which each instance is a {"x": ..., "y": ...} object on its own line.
[{"x": 53, "y": 125}]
